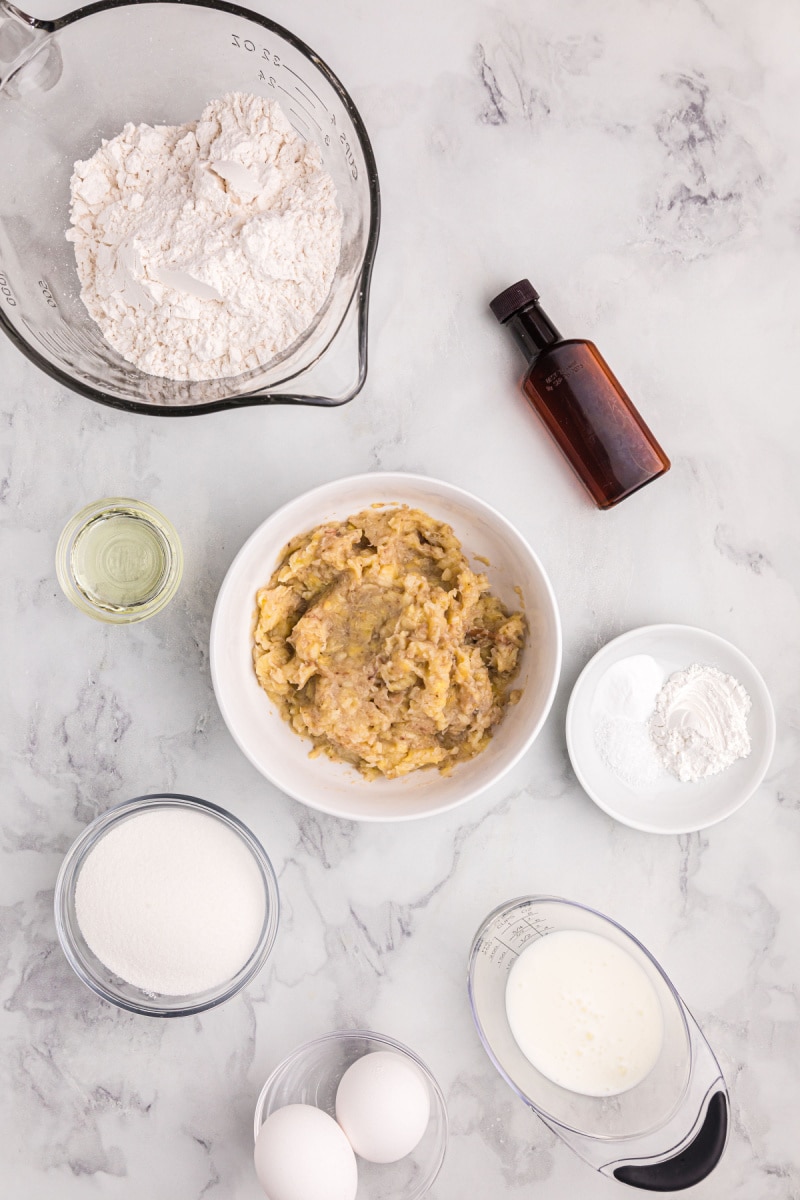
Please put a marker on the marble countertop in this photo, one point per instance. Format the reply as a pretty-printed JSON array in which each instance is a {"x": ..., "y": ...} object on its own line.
[{"x": 640, "y": 161}]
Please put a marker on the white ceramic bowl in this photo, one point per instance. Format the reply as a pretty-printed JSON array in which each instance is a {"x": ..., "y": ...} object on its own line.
[
  {"x": 280, "y": 754},
  {"x": 669, "y": 806}
]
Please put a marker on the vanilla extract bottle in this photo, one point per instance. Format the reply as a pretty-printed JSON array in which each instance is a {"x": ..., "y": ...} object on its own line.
[{"x": 572, "y": 388}]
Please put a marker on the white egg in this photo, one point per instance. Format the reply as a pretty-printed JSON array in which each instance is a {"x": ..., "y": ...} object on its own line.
[
  {"x": 302, "y": 1154},
  {"x": 383, "y": 1105}
]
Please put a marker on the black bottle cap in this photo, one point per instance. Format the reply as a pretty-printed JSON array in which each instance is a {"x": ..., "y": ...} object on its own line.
[{"x": 513, "y": 299}]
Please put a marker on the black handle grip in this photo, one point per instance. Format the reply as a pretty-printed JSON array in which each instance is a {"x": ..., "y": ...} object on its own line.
[{"x": 692, "y": 1164}]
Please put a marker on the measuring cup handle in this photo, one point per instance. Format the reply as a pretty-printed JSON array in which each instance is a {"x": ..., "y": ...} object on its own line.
[
  {"x": 16, "y": 36},
  {"x": 22, "y": 37},
  {"x": 693, "y": 1163}
]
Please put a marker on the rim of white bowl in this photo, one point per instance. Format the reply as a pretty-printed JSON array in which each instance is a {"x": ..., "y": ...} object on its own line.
[
  {"x": 646, "y": 826},
  {"x": 390, "y": 477}
]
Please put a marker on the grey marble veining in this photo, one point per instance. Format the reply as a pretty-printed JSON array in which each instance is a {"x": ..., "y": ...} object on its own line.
[{"x": 641, "y": 162}]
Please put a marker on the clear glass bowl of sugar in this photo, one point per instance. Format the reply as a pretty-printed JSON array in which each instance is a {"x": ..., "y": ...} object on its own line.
[{"x": 166, "y": 905}]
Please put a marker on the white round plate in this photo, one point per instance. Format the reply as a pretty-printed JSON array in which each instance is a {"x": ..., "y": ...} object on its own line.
[
  {"x": 670, "y": 806},
  {"x": 280, "y": 754}
]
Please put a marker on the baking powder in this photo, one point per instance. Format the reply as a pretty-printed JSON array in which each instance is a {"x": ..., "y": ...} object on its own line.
[{"x": 699, "y": 725}]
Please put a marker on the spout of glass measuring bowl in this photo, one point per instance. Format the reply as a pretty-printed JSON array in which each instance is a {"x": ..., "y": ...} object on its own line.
[
  {"x": 29, "y": 58},
  {"x": 338, "y": 374}
]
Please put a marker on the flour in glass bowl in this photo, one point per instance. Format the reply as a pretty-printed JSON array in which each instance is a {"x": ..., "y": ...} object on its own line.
[{"x": 205, "y": 249}]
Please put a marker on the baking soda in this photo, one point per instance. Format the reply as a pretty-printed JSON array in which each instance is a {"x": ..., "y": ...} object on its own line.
[{"x": 623, "y": 704}]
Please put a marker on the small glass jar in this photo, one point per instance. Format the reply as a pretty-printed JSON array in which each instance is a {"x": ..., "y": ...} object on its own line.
[{"x": 119, "y": 560}]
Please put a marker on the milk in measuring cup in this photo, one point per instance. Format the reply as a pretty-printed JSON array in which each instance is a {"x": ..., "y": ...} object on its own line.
[{"x": 584, "y": 1013}]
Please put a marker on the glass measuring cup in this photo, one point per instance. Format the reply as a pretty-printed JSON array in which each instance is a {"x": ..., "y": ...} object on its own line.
[
  {"x": 665, "y": 1134},
  {"x": 68, "y": 83}
]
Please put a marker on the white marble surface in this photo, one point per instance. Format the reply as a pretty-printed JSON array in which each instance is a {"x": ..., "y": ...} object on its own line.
[{"x": 640, "y": 161}]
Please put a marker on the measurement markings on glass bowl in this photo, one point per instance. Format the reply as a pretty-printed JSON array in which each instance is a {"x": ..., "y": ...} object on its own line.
[
  {"x": 47, "y": 295},
  {"x": 303, "y": 96},
  {"x": 309, "y": 88},
  {"x": 55, "y": 341},
  {"x": 264, "y": 54},
  {"x": 249, "y": 45},
  {"x": 68, "y": 344},
  {"x": 309, "y": 115},
  {"x": 5, "y": 291},
  {"x": 298, "y": 122}
]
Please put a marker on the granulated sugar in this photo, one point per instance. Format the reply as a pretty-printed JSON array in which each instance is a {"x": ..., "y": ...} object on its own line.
[
  {"x": 172, "y": 901},
  {"x": 205, "y": 249}
]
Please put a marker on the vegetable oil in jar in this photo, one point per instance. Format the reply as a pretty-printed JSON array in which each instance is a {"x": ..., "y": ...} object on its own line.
[{"x": 119, "y": 560}]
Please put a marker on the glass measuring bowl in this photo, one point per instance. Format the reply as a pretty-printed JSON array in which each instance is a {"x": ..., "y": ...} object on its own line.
[
  {"x": 68, "y": 83},
  {"x": 665, "y": 1134}
]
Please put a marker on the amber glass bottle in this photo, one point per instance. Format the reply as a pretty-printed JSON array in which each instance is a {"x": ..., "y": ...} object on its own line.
[{"x": 571, "y": 387}]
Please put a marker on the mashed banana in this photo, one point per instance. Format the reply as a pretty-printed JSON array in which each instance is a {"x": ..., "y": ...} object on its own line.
[{"x": 377, "y": 641}]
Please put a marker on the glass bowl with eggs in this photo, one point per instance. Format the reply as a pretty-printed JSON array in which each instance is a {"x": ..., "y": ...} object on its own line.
[{"x": 353, "y": 1115}]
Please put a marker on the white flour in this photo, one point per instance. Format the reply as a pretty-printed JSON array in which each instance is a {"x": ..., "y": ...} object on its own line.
[
  {"x": 699, "y": 725},
  {"x": 205, "y": 249}
]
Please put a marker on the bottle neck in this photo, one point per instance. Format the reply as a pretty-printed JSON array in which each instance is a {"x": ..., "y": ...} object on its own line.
[{"x": 532, "y": 330}]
